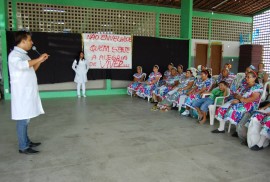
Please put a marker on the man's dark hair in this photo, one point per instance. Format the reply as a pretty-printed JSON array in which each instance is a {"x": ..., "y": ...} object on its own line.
[
  {"x": 20, "y": 35},
  {"x": 224, "y": 83}
]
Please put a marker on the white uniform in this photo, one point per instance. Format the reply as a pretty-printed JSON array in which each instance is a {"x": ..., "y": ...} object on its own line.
[
  {"x": 25, "y": 100},
  {"x": 81, "y": 71}
]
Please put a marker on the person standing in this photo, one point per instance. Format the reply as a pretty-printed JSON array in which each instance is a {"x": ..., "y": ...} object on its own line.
[
  {"x": 80, "y": 66},
  {"x": 25, "y": 100}
]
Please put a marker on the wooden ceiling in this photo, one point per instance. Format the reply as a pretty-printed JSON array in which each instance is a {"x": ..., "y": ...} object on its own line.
[{"x": 239, "y": 7}]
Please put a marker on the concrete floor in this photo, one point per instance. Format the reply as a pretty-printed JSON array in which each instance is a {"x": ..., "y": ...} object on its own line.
[{"x": 118, "y": 139}]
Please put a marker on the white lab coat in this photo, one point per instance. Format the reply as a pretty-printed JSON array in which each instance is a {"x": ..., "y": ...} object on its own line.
[
  {"x": 25, "y": 100},
  {"x": 81, "y": 71}
]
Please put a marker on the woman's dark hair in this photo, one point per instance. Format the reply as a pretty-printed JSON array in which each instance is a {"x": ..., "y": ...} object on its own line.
[
  {"x": 21, "y": 35},
  {"x": 207, "y": 73},
  {"x": 180, "y": 65},
  {"x": 190, "y": 72},
  {"x": 261, "y": 63},
  {"x": 78, "y": 58},
  {"x": 171, "y": 64},
  {"x": 254, "y": 75},
  {"x": 156, "y": 66},
  {"x": 224, "y": 83}
]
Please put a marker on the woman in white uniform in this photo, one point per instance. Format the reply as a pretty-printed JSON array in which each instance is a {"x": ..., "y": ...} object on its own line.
[{"x": 80, "y": 66}]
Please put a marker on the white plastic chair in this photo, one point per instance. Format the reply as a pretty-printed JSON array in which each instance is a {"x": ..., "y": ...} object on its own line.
[
  {"x": 238, "y": 80},
  {"x": 215, "y": 77},
  {"x": 219, "y": 101}
]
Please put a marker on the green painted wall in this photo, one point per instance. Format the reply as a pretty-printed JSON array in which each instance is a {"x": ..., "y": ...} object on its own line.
[
  {"x": 105, "y": 5},
  {"x": 186, "y": 23},
  {"x": 220, "y": 16},
  {"x": 3, "y": 14}
]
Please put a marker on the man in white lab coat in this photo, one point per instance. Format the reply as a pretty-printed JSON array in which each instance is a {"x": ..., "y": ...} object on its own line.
[{"x": 25, "y": 100}]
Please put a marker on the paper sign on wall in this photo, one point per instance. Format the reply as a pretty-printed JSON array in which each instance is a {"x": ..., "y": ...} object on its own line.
[{"x": 108, "y": 51}]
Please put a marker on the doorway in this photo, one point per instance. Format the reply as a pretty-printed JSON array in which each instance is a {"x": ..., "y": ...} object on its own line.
[
  {"x": 201, "y": 55},
  {"x": 216, "y": 58}
]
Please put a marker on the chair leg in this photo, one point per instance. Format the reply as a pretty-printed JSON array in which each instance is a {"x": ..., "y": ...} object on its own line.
[
  {"x": 212, "y": 110},
  {"x": 181, "y": 101},
  {"x": 229, "y": 129}
]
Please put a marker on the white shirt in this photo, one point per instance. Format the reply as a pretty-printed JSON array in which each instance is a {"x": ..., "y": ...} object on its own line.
[
  {"x": 25, "y": 100},
  {"x": 81, "y": 70}
]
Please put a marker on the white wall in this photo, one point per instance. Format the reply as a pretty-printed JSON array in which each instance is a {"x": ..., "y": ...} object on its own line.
[
  {"x": 91, "y": 84},
  {"x": 230, "y": 48},
  {"x": 230, "y": 52}
]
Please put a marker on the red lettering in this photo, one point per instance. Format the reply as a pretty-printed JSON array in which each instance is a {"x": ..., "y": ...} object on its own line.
[
  {"x": 93, "y": 57},
  {"x": 102, "y": 48},
  {"x": 93, "y": 36},
  {"x": 92, "y": 64},
  {"x": 112, "y": 61}
]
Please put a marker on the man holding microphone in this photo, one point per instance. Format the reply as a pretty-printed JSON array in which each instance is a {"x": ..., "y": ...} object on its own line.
[{"x": 25, "y": 100}]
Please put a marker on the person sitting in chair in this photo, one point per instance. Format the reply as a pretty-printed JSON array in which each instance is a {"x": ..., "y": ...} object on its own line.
[
  {"x": 146, "y": 88},
  {"x": 201, "y": 105},
  {"x": 245, "y": 100},
  {"x": 138, "y": 79}
]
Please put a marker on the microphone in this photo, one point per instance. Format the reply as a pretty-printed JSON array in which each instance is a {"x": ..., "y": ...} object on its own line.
[{"x": 35, "y": 49}]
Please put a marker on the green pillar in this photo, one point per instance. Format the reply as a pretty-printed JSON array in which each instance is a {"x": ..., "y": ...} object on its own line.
[
  {"x": 208, "y": 63},
  {"x": 186, "y": 23},
  {"x": 186, "y": 18},
  {"x": 3, "y": 28},
  {"x": 157, "y": 24},
  {"x": 3, "y": 14}
]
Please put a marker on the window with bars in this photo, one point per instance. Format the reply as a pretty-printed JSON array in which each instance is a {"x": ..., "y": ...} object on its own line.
[
  {"x": 261, "y": 35},
  {"x": 169, "y": 25},
  {"x": 200, "y": 28},
  {"x": 229, "y": 30},
  {"x": 10, "y": 21},
  {"x": 57, "y": 18}
]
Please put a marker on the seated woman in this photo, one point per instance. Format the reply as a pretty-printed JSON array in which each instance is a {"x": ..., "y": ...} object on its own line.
[
  {"x": 259, "y": 128},
  {"x": 226, "y": 76},
  {"x": 233, "y": 89},
  {"x": 201, "y": 105},
  {"x": 262, "y": 75},
  {"x": 245, "y": 100},
  {"x": 146, "y": 88},
  {"x": 228, "y": 66},
  {"x": 201, "y": 68},
  {"x": 185, "y": 84},
  {"x": 159, "y": 93},
  {"x": 138, "y": 79},
  {"x": 180, "y": 70},
  {"x": 201, "y": 85},
  {"x": 166, "y": 75},
  {"x": 235, "y": 85}
]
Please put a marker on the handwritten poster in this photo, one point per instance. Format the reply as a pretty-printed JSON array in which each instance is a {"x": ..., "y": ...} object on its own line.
[{"x": 108, "y": 51}]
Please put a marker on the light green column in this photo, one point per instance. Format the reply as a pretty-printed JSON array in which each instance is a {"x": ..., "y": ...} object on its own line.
[
  {"x": 157, "y": 24},
  {"x": 3, "y": 28},
  {"x": 208, "y": 64},
  {"x": 3, "y": 14},
  {"x": 186, "y": 23}
]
